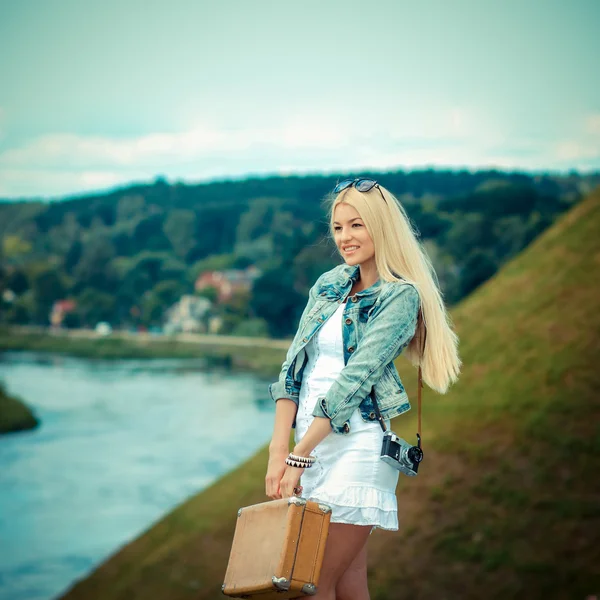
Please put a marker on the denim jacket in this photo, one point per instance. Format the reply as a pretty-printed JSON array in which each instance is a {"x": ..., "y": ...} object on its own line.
[{"x": 377, "y": 324}]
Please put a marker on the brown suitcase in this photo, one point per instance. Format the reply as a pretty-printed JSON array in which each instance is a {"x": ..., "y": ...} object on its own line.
[{"x": 277, "y": 550}]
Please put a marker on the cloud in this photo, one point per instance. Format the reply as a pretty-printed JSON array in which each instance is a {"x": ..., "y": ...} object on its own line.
[
  {"x": 156, "y": 149},
  {"x": 592, "y": 124},
  {"x": 455, "y": 137},
  {"x": 575, "y": 151},
  {"x": 582, "y": 149},
  {"x": 426, "y": 123},
  {"x": 298, "y": 133},
  {"x": 47, "y": 182}
]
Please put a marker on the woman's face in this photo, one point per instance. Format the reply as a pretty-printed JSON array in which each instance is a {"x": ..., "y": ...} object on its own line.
[{"x": 351, "y": 236}]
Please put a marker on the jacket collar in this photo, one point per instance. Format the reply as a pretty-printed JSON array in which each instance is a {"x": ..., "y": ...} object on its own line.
[{"x": 349, "y": 274}]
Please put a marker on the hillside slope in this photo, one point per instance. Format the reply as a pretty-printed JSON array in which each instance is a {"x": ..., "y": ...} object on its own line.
[
  {"x": 15, "y": 415},
  {"x": 506, "y": 502}
]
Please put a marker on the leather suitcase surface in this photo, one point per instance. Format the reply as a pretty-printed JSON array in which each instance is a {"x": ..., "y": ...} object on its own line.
[{"x": 277, "y": 550}]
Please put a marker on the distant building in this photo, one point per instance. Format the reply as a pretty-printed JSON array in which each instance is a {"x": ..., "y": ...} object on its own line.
[
  {"x": 103, "y": 328},
  {"x": 214, "y": 324},
  {"x": 9, "y": 296},
  {"x": 228, "y": 282},
  {"x": 59, "y": 309},
  {"x": 187, "y": 316}
]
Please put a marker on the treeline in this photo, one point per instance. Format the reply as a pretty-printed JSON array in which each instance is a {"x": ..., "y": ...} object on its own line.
[{"x": 125, "y": 256}]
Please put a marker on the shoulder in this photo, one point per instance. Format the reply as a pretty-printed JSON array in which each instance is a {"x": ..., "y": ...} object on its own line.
[{"x": 400, "y": 294}]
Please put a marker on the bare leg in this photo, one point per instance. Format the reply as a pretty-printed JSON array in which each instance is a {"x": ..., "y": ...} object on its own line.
[
  {"x": 353, "y": 583},
  {"x": 344, "y": 543}
]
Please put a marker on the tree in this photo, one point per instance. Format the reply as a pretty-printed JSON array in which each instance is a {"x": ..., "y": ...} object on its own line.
[
  {"x": 213, "y": 262},
  {"x": 150, "y": 264},
  {"x": 152, "y": 309},
  {"x": 149, "y": 235},
  {"x": 470, "y": 230},
  {"x": 48, "y": 287},
  {"x": 180, "y": 229},
  {"x": 130, "y": 207},
  {"x": 256, "y": 221},
  {"x": 215, "y": 232},
  {"x": 312, "y": 261},
  {"x": 73, "y": 256},
  {"x": 22, "y": 311},
  {"x": 210, "y": 293},
  {"x": 94, "y": 269},
  {"x": 17, "y": 281},
  {"x": 14, "y": 247},
  {"x": 94, "y": 306},
  {"x": 275, "y": 300},
  {"x": 477, "y": 269},
  {"x": 168, "y": 292}
]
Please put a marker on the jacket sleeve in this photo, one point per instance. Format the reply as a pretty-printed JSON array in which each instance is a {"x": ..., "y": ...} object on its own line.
[
  {"x": 387, "y": 332},
  {"x": 277, "y": 389}
]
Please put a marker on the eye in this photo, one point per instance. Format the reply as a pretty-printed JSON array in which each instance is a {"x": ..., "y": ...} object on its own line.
[
  {"x": 356, "y": 224},
  {"x": 336, "y": 228}
]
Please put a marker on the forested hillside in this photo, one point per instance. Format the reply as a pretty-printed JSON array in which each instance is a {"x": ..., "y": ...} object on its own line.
[{"x": 127, "y": 255}]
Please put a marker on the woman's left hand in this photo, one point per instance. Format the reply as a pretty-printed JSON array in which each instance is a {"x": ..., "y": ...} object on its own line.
[{"x": 289, "y": 481}]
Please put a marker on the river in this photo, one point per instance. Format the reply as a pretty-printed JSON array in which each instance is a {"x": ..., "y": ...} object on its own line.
[{"x": 120, "y": 444}]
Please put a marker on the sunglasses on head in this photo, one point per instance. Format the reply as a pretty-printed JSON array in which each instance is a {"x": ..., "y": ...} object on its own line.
[{"x": 362, "y": 184}]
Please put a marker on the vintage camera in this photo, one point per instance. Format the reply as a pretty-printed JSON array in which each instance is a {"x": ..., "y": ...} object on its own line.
[{"x": 400, "y": 454}]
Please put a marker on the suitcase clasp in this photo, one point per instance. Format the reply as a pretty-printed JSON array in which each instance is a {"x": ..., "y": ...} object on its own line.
[{"x": 281, "y": 583}]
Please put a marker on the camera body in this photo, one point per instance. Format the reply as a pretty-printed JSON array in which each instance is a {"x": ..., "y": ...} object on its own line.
[{"x": 400, "y": 454}]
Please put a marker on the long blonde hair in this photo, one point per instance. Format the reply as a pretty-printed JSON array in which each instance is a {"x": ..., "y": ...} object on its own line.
[{"x": 399, "y": 255}]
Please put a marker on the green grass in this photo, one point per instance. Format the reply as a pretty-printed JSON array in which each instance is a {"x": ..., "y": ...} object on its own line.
[
  {"x": 506, "y": 504},
  {"x": 15, "y": 415}
]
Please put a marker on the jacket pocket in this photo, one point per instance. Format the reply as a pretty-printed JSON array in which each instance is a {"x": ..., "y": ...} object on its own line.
[{"x": 389, "y": 389}]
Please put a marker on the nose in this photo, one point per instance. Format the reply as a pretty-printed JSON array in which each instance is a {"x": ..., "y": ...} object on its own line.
[{"x": 345, "y": 236}]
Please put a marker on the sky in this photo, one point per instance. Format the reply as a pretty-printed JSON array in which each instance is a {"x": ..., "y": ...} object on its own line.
[{"x": 95, "y": 94}]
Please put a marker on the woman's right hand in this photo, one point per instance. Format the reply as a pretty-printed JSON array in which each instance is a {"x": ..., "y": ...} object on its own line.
[{"x": 275, "y": 470}]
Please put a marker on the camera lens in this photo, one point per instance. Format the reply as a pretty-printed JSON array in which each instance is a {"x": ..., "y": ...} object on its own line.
[{"x": 415, "y": 454}]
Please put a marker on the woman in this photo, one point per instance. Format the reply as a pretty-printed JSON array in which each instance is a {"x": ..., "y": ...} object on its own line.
[{"x": 360, "y": 316}]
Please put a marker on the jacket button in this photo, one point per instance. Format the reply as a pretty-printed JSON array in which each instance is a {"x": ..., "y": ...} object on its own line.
[
  {"x": 371, "y": 415},
  {"x": 351, "y": 349},
  {"x": 305, "y": 340},
  {"x": 348, "y": 321},
  {"x": 354, "y": 299},
  {"x": 346, "y": 427}
]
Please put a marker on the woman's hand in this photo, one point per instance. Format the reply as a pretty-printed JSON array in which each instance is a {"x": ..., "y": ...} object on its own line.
[
  {"x": 289, "y": 482},
  {"x": 275, "y": 471}
]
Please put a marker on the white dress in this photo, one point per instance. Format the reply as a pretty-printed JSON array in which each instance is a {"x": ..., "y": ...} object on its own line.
[{"x": 348, "y": 475}]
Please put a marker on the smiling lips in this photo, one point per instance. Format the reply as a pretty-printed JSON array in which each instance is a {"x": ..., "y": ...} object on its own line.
[{"x": 350, "y": 249}]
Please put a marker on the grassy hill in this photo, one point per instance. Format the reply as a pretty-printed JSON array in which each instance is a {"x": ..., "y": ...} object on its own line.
[
  {"x": 15, "y": 415},
  {"x": 506, "y": 504}
]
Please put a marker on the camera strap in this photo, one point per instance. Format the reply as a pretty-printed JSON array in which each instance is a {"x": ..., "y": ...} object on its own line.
[{"x": 419, "y": 383}]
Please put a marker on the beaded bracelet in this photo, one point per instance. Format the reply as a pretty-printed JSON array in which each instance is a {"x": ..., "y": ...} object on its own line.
[
  {"x": 303, "y": 462},
  {"x": 309, "y": 459}
]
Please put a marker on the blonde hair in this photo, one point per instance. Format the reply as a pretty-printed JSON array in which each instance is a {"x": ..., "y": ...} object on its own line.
[{"x": 399, "y": 255}]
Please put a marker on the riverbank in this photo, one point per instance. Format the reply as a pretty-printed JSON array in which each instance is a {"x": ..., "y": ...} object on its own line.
[
  {"x": 15, "y": 415},
  {"x": 260, "y": 355}
]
